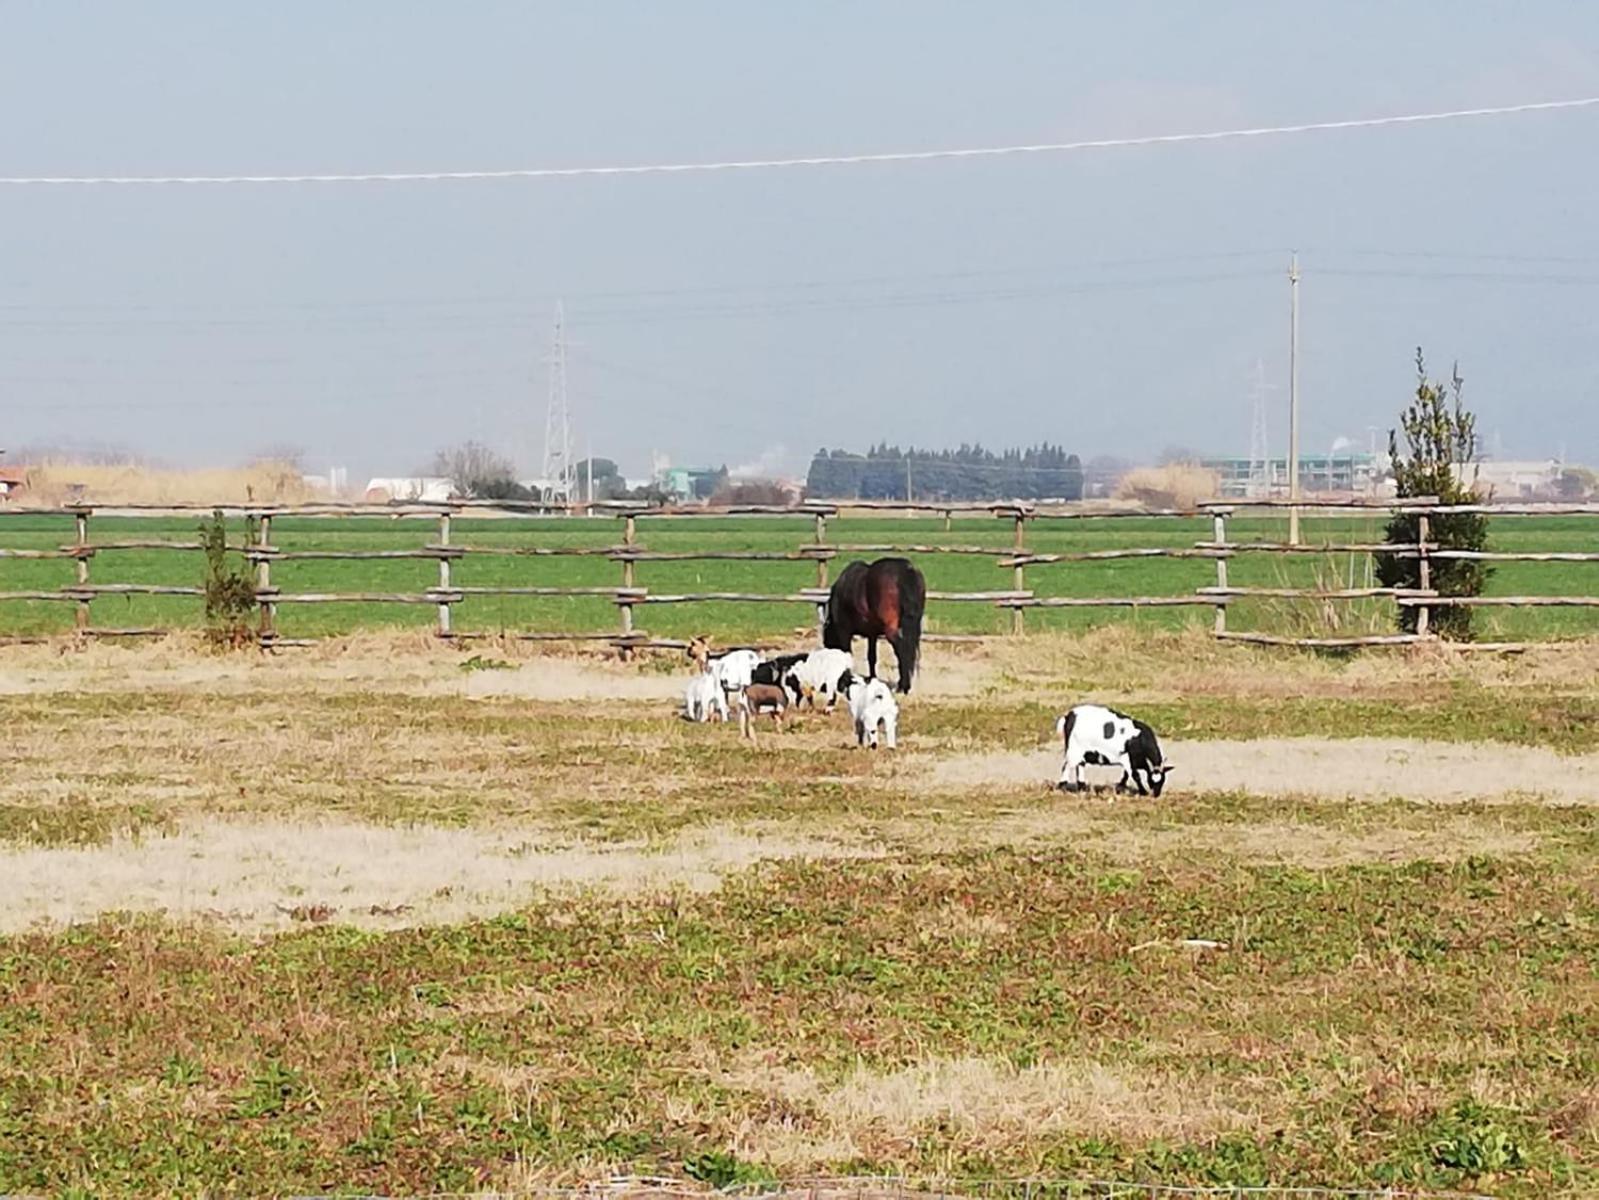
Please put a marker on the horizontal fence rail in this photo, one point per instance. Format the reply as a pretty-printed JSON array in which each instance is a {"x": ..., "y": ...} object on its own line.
[{"x": 628, "y": 552}]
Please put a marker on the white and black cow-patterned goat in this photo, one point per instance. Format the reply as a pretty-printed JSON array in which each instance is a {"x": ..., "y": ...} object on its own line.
[
  {"x": 824, "y": 673},
  {"x": 1098, "y": 736},
  {"x": 772, "y": 670}
]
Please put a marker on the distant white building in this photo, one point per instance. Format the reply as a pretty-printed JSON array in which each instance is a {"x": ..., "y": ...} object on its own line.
[
  {"x": 334, "y": 482},
  {"x": 416, "y": 487},
  {"x": 1512, "y": 479}
]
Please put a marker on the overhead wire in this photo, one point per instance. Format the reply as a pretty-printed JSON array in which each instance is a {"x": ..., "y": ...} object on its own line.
[{"x": 821, "y": 160}]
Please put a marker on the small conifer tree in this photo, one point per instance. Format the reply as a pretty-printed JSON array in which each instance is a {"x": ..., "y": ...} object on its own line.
[
  {"x": 1440, "y": 447},
  {"x": 229, "y": 587}
]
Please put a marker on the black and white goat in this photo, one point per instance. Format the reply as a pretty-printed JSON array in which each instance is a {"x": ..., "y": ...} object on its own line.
[
  {"x": 824, "y": 673},
  {"x": 772, "y": 670},
  {"x": 1102, "y": 737}
]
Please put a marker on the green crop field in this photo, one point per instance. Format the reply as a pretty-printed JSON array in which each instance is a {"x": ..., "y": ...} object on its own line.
[{"x": 945, "y": 572}]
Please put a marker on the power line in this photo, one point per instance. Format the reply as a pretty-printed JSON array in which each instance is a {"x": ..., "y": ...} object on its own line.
[
  {"x": 648, "y": 314},
  {"x": 827, "y": 160},
  {"x": 1454, "y": 255},
  {"x": 1460, "y": 276},
  {"x": 794, "y": 285}
]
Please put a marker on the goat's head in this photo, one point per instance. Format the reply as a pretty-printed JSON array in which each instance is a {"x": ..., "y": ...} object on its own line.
[
  {"x": 1157, "y": 777},
  {"x": 699, "y": 651}
]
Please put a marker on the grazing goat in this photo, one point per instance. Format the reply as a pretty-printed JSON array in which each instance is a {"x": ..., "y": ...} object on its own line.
[
  {"x": 704, "y": 699},
  {"x": 759, "y": 698},
  {"x": 773, "y": 669},
  {"x": 1099, "y": 736},
  {"x": 824, "y": 673},
  {"x": 731, "y": 668},
  {"x": 872, "y": 704}
]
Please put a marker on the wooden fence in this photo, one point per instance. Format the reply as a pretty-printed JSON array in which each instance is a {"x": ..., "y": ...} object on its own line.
[{"x": 628, "y": 595}]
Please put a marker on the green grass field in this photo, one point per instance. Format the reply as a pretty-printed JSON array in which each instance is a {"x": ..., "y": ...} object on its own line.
[
  {"x": 380, "y": 918},
  {"x": 947, "y": 572}
]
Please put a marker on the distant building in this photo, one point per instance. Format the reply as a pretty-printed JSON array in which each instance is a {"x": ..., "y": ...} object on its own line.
[
  {"x": 688, "y": 483},
  {"x": 419, "y": 487},
  {"x": 1347, "y": 474},
  {"x": 334, "y": 482},
  {"x": 1508, "y": 479}
]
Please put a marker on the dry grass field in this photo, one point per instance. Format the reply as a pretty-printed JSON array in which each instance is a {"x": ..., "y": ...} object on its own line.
[{"x": 389, "y": 916}]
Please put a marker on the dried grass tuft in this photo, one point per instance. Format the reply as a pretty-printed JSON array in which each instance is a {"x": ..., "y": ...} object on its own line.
[{"x": 989, "y": 1107}]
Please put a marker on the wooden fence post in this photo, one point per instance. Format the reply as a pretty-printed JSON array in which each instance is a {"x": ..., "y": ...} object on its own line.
[
  {"x": 1019, "y": 576},
  {"x": 629, "y": 539},
  {"x": 1423, "y": 532},
  {"x": 81, "y": 615},
  {"x": 1219, "y": 526},
  {"x": 444, "y": 575},
  {"x": 263, "y": 581}
]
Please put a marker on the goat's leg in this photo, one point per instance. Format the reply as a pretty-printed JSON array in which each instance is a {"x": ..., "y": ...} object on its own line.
[
  {"x": 1129, "y": 772},
  {"x": 1071, "y": 775}
]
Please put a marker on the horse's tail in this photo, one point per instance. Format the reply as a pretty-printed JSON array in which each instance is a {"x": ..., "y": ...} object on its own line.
[{"x": 912, "y": 605}]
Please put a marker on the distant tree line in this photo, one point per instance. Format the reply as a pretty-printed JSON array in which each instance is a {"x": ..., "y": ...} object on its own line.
[{"x": 971, "y": 472}]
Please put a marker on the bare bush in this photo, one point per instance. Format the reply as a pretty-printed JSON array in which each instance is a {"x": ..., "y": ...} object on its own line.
[
  {"x": 474, "y": 469},
  {"x": 756, "y": 491},
  {"x": 1176, "y": 485}
]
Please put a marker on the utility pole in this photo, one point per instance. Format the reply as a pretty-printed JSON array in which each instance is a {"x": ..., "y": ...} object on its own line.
[
  {"x": 590, "y": 443},
  {"x": 907, "y": 478},
  {"x": 1293, "y": 400}
]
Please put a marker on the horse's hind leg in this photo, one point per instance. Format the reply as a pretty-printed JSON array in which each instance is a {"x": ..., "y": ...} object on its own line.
[{"x": 871, "y": 658}]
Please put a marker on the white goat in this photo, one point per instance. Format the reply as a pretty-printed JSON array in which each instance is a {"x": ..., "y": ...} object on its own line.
[
  {"x": 872, "y": 703},
  {"x": 733, "y": 669},
  {"x": 730, "y": 668},
  {"x": 704, "y": 699}
]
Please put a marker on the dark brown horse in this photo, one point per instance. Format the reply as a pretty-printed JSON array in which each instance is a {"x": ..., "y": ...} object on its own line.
[{"x": 883, "y": 600}]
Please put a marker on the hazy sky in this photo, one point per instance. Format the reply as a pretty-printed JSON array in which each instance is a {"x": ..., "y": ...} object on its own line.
[{"x": 1116, "y": 301}]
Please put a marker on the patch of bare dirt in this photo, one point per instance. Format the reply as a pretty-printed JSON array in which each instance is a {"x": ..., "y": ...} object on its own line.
[
  {"x": 561, "y": 679},
  {"x": 268, "y": 875},
  {"x": 1352, "y": 768},
  {"x": 1315, "y": 846}
]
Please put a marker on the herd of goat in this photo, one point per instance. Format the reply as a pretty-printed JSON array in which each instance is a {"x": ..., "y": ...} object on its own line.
[{"x": 740, "y": 684}]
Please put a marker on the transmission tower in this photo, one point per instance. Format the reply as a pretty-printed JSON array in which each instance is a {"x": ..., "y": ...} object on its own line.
[
  {"x": 558, "y": 465},
  {"x": 1259, "y": 446}
]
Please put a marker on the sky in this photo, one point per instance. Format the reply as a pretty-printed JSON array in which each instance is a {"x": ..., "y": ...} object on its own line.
[{"x": 1117, "y": 301}]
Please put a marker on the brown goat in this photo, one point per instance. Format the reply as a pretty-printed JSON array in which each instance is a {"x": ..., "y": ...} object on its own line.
[{"x": 761, "y": 698}]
